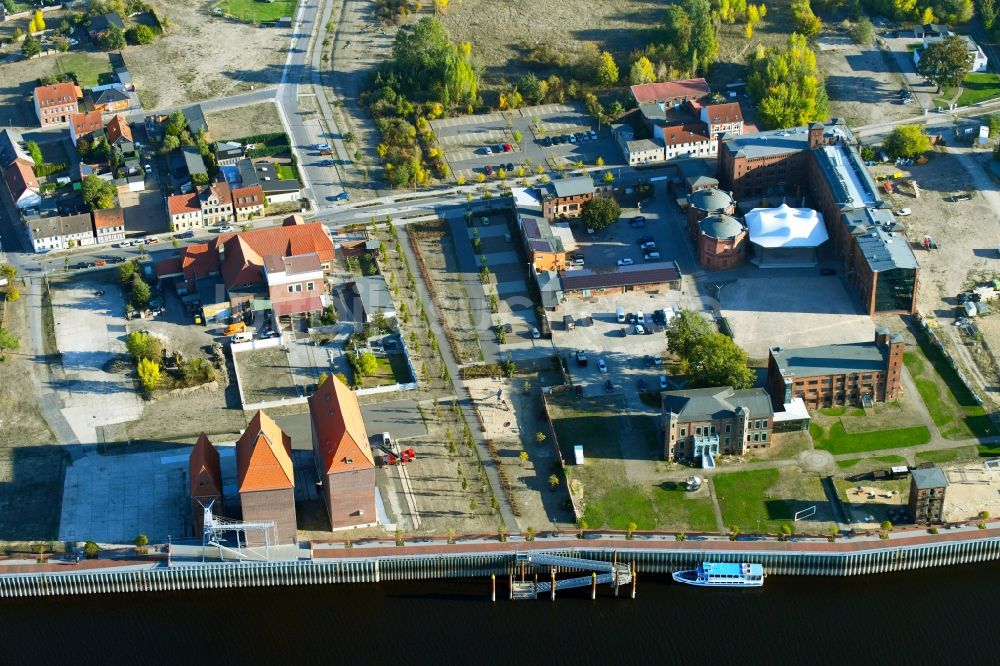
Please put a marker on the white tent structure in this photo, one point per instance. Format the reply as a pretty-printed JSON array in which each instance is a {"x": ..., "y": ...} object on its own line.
[{"x": 785, "y": 236}]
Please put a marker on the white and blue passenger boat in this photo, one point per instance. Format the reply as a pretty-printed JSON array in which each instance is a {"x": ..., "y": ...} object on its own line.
[{"x": 722, "y": 574}]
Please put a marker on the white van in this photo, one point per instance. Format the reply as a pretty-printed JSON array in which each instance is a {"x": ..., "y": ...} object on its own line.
[
  {"x": 245, "y": 336},
  {"x": 621, "y": 314},
  {"x": 640, "y": 318}
]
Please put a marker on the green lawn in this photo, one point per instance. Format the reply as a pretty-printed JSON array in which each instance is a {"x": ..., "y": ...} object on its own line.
[
  {"x": 836, "y": 440},
  {"x": 847, "y": 464},
  {"x": 842, "y": 410},
  {"x": 978, "y": 87},
  {"x": 390, "y": 370},
  {"x": 945, "y": 455},
  {"x": 286, "y": 172},
  {"x": 254, "y": 11},
  {"x": 90, "y": 70},
  {"x": 767, "y": 497},
  {"x": 952, "y": 407},
  {"x": 611, "y": 496}
]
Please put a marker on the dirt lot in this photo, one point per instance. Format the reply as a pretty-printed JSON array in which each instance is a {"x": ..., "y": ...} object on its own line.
[
  {"x": 243, "y": 121},
  {"x": 18, "y": 79},
  {"x": 21, "y": 424},
  {"x": 437, "y": 250},
  {"x": 971, "y": 489},
  {"x": 177, "y": 69},
  {"x": 265, "y": 375},
  {"x": 862, "y": 84}
]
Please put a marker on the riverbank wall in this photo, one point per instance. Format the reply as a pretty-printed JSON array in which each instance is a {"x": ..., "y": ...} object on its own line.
[{"x": 333, "y": 563}]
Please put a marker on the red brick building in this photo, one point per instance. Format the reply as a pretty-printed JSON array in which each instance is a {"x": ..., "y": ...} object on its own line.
[
  {"x": 265, "y": 479},
  {"x": 564, "y": 197},
  {"x": 722, "y": 242},
  {"x": 707, "y": 201},
  {"x": 820, "y": 162},
  {"x": 343, "y": 457},
  {"x": 56, "y": 104},
  {"x": 205, "y": 476},
  {"x": 831, "y": 375}
]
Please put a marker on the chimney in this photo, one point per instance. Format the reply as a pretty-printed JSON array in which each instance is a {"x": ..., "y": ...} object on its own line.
[{"x": 815, "y": 134}]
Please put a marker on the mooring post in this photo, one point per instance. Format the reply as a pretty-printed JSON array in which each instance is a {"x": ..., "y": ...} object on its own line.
[
  {"x": 593, "y": 585},
  {"x": 635, "y": 579},
  {"x": 493, "y": 587},
  {"x": 522, "y": 570},
  {"x": 614, "y": 581},
  {"x": 535, "y": 589},
  {"x": 553, "y": 583}
]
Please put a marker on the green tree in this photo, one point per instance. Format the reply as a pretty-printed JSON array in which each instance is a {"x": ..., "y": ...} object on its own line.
[
  {"x": 175, "y": 124},
  {"x": 8, "y": 271},
  {"x": 13, "y": 293},
  {"x": 36, "y": 153},
  {"x": 126, "y": 272},
  {"x": 787, "y": 84},
  {"x": 804, "y": 20},
  {"x": 141, "y": 541},
  {"x": 522, "y": 457},
  {"x": 993, "y": 120},
  {"x": 553, "y": 481},
  {"x": 642, "y": 71},
  {"x": 946, "y": 63},
  {"x": 366, "y": 364},
  {"x": 607, "y": 70},
  {"x": 141, "y": 34},
  {"x": 65, "y": 28},
  {"x": 704, "y": 45},
  {"x": 140, "y": 294},
  {"x": 907, "y": 141},
  {"x": 532, "y": 89},
  {"x": 149, "y": 375},
  {"x": 716, "y": 360},
  {"x": 90, "y": 550},
  {"x": 141, "y": 344},
  {"x": 112, "y": 39},
  {"x": 863, "y": 32},
  {"x": 7, "y": 341},
  {"x": 987, "y": 12},
  {"x": 600, "y": 212},
  {"x": 98, "y": 194},
  {"x": 953, "y": 11},
  {"x": 539, "y": 437},
  {"x": 685, "y": 330},
  {"x": 886, "y": 526},
  {"x": 30, "y": 47},
  {"x": 630, "y": 529},
  {"x": 39, "y": 20}
]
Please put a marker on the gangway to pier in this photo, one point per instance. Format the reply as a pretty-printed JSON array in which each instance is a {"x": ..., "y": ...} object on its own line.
[{"x": 615, "y": 574}]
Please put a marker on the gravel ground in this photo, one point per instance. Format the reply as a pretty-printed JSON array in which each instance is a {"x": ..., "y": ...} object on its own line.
[
  {"x": 265, "y": 375},
  {"x": 243, "y": 121}
]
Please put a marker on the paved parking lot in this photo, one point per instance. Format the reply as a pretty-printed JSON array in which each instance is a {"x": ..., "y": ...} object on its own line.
[
  {"x": 792, "y": 308},
  {"x": 465, "y": 139}
]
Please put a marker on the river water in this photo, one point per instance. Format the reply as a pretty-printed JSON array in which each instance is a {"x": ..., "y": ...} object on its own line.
[{"x": 932, "y": 616}]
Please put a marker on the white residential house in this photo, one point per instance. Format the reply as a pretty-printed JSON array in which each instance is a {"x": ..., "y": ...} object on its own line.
[
  {"x": 935, "y": 33},
  {"x": 60, "y": 232},
  {"x": 23, "y": 186}
]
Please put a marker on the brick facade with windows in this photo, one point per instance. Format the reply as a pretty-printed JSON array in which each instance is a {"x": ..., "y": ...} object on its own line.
[
  {"x": 715, "y": 421},
  {"x": 834, "y": 375}
]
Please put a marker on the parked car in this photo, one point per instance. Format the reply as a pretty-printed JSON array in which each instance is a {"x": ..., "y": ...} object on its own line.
[
  {"x": 641, "y": 385},
  {"x": 903, "y": 212},
  {"x": 644, "y": 240},
  {"x": 639, "y": 330},
  {"x": 322, "y": 146},
  {"x": 627, "y": 261},
  {"x": 601, "y": 365},
  {"x": 150, "y": 240},
  {"x": 663, "y": 383},
  {"x": 489, "y": 170},
  {"x": 124, "y": 243},
  {"x": 79, "y": 265},
  {"x": 225, "y": 228},
  {"x": 547, "y": 141},
  {"x": 487, "y": 151},
  {"x": 649, "y": 245},
  {"x": 535, "y": 333},
  {"x": 651, "y": 256},
  {"x": 622, "y": 331},
  {"x": 647, "y": 361},
  {"x": 609, "y": 387},
  {"x": 343, "y": 196},
  {"x": 507, "y": 148},
  {"x": 593, "y": 135},
  {"x": 578, "y": 260}
]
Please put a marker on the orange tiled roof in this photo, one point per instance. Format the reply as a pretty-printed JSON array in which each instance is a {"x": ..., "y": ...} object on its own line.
[
  {"x": 729, "y": 112},
  {"x": 57, "y": 93},
  {"x": 20, "y": 177},
  {"x": 183, "y": 203},
  {"x": 199, "y": 260},
  {"x": 169, "y": 266},
  {"x": 652, "y": 92},
  {"x": 248, "y": 197},
  {"x": 693, "y": 133},
  {"x": 242, "y": 264},
  {"x": 109, "y": 218},
  {"x": 118, "y": 128},
  {"x": 264, "y": 457},
  {"x": 205, "y": 473},
  {"x": 339, "y": 429},
  {"x": 86, "y": 123}
]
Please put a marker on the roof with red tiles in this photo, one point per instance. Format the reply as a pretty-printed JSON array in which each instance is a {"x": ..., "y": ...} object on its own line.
[
  {"x": 220, "y": 189},
  {"x": 341, "y": 443},
  {"x": 242, "y": 265},
  {"x": 690, "y": 133},
  {"x": 297, "y": 305},
  {"x": 653, "y": 92},
  {"x": 179, "y": 204},
  {"x": 86, "y": 123},
  {"x": 118, "y": 128},
  {"x": 264, "y": 457},
  {"x": 109, "y": 218},
  {"x": 729, "y": 112},
  {"x": 248, "y": 197},
  {"x": 20, "y": 177},
  {"x": 169, "y": 266},
  {"x": 57, "y": 93},
  {"x": 205, "y": 472}
]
